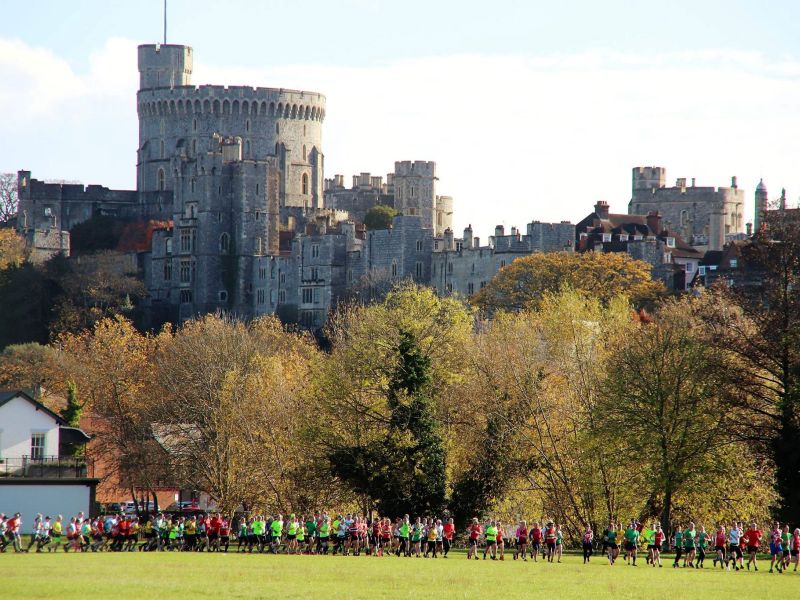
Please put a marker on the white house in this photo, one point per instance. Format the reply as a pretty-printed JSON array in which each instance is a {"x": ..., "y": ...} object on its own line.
[{"x": 38, "y": 474}]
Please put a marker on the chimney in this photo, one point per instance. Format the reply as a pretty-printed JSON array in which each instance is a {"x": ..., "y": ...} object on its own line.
[
  {"x": 654, "y": 222},
  {"x": 601, "y": 208},
  {"x": 449, "y": 239},
  {"x": 733, "y": 182},
  {"x": 467, "y": 239},
  {"x": 749, "y": 229},
  {"x": 693, "y": 181},
  {"x": 499, "y": 231}
]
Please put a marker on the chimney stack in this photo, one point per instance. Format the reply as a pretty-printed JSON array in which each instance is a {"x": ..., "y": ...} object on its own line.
[
  {"x": 601, "y": 208},
  {"x": 654, "y": 222}
]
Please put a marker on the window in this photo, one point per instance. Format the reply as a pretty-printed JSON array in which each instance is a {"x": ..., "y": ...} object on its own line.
[
  {"x": 734, "y": 263},
  {"x": 224, "y": 243},
  {"x": 186, "y": 271},
  {"x": 419, "y": 245},
  {"x": 450, "y": 268},
  {"x": 192, "y": 185},
  {"x": 606, "y": 237},
  {"x": 247, "y": 125},
  {"x": 187, "y": 240},
  {"x": 186, "y": 296},
  {"x": 161, "y": 181},
  {"x": 305, "y": 154},
  {"x": 701, "y": 271},
  {"x": 168, "y": 270},
  {"x": 194, "y": 148},
  {"x": 412, "y": 192},
  {"x": 168, "y": 246},
  {"x": 418, "y": 270},
  {"x": 502, "y": 264},
  {"x": 258, "y": 246},
  {"x": 223, "y": 296},
  {"x": 282, "y": 296},
  {"x": 435, "y": 245},
  {"x": 623, "y": 237},
  {"x": 689, "y": 267},
  {"x": 314, "y": 273},
  {"x": 277, "y": 127},
  {"x": 470, "y": 288},
  {"x": 262, "y": 273},
  {"x": 314, "y": 250},
  {"x": 670, "y": 242},
  {"x": 162, "y": 148},
  {"x": 483, "y": 284},
  {"x": 257, "y": 190},
  {"x": 37, "y": 445},
  {"x": 308, "y": 295},
  {"x": 260, "y": 297},
  {"x": 282, "y": 277},
  {"x": 305, "y": 184},
  {"x": 394, "y": 268},
  {"x": 316, "y": 295},
  {"x": 194, "y": 124},
  {"x": 449, "y": 288}
]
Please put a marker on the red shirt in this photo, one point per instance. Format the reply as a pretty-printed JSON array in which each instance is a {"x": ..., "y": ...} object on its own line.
[
  {"x": 752, "y": 537},
  {"x": 475, "y": 532},
  {"x": 536, "y": 534},
  {"x": 224, "y": 528},
  {"x": 658, "y": 538},
  {"x": 214, "y": 525},
  {"x": 720, "y": 539},
  {"x": 449, "y": 531}
]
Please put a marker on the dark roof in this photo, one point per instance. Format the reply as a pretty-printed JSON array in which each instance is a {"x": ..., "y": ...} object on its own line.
[{"x": 8, "y": 395}]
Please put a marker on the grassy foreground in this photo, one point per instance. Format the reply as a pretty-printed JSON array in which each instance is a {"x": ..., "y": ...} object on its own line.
[{"x": 185, "y": 575}]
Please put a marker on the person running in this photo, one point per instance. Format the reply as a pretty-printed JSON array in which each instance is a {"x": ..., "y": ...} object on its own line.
[
  {"x": 795, "y": 551},
  {"x": 702, "y": 544},
  {"x": 689, "y": 544},
  {"x": 735, "y": 556},
  {"x": 588, "y": 540},
  {"x": 324, "y": 535},
  {"x": 559, "y": 543},
  {"x": 786, "y": 546},
  {"x": 291, "y": 535},
  {"x": 276, "y": 531},
  {"x": 550, "y": 540},
  {"x": 536, "y": 541},
  {"x": 647, "y": 538},
  {"x": 491, "y": 541},
  {"x": 631, "y": 536},
  {"x": 752, "y": 538},
  {"x": 521, "y": 536},
  {"x": 776, "y": 548},
  {"x": 719, "y": 547},
  {"x": 448, "y": 533},
  {"x": 311, "y": 533},
  {"x": 658, "y": 540},
  {"x": 475, "y": 531},
  {"x": 501, "y": 543},
  {"x": 611, "y": 543},
  {"x": 224, "y": 535},
  {"x": 439, "y": 537},
  {"x": 678, "y": 543},
  {"x": 431, "y": 539}
]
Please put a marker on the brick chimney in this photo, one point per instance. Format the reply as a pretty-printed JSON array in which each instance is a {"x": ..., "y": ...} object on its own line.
[
  {"x": 601, "y": 208},
  {"x": 654, "y": 222}
]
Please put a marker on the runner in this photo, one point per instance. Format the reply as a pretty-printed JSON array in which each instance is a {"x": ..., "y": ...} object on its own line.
[
  {"x": 475, "y": 531},
  {"x": 448, "y": 533},
  {"x": 559, "y": 543},
  {"x": 588, "y": 539},
  {"x": 631, "y": 536},
  {"x": 611, "y": 543},
  {"x": 689, "y": 539},
  {"x": 550, "y": 540},
  {"x": 786, "y": 546},
  {"x": 678, "y": 543},
  {"x": 658, "y": 541},
  {"x": 521, "y": 536},
  {"x": 752, "y": 538},
  {"x": 734, "y": 549},
  {"x": 501, "y": 544},
  {"x": 719, "y": 547},
  {"x": 795, "y": 552},
  {"x": 776, "y": 548},
  {"x": 536, "y": 541},
  {"x": 702, "y": 544},
  {"x": 491, "y": 541}
]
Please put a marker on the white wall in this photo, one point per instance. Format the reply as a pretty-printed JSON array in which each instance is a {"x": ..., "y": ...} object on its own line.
[
  {"x": 50, "y": 500},
  {"x": 18, "y": 419}
]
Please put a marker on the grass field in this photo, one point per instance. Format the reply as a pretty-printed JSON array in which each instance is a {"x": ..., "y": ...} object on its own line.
[{"x": 186, "y": 575}]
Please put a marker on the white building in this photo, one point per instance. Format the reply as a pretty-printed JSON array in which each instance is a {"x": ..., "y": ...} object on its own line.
[{"x": 37, "y": 474}]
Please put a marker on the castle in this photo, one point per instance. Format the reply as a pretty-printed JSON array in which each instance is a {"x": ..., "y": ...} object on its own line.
[{"x": 230, "y": 182}]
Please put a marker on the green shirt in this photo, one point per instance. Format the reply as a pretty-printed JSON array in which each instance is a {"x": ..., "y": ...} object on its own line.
[
  {"x": 631, "y": 535},
  {"x": 258, "y": 527},
  {"x": 311, "y": 527},
  {"x": 293, "y": 527},
  {"x": 324, "y": 530},
  {"x": 649, "y": 536},
  {"x": 678, "y": 539},
  {"x": 688, "y": 538},
  {"x": 417, "y": 534},
  {"x": 277, "y": 528},
  {"x": 702, "y": 539},
  {"x": 404, "y": 530},
  {"x": 301, "y": 535},
  {"x": 612, "y": 537},
  {"x": 491, "y": 533},
  {"x": 785, "y": 539}
]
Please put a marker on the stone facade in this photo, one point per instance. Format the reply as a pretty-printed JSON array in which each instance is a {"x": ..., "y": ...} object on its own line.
[{"x": 704, "y": 216}]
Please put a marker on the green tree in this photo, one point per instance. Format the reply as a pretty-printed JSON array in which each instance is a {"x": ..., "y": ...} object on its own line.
[{"x": 379, "y": 217}]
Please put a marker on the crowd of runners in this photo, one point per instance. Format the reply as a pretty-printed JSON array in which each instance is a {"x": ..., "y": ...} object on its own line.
[{"x": 731, "y": 548}]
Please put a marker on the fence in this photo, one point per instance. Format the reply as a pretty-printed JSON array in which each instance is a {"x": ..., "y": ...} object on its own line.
[{"x": 47, "y": 467}]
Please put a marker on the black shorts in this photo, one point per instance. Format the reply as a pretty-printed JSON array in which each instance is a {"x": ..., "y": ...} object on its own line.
[
  {"x": 752, "y": 549},
  {"x": 652, "y": 547},
  {"x": 795, "y": 552},
  {"x": 551, "y": 545},
  {"x": 630, "y": 546},
  {"x": 612, "y": 545},
  {"x": 720, "y": 549},
  {"x": 473, "y": 542},
  {"x": 535, "y": 545},
  {"x": 291, "y": 536},
  {"x": 431, "y": 544},
  {"x": 735, "y": 550},
  {"x": 212, "y": 536}
]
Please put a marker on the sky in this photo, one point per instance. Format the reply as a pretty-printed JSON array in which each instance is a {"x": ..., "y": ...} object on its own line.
[{"x": 531, "y": 110}]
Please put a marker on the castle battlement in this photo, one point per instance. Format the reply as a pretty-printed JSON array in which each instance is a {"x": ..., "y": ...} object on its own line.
[{"x": 420, "y": 168}]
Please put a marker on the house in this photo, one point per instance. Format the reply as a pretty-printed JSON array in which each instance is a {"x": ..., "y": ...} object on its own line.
[{"x": 38, "y": 470}]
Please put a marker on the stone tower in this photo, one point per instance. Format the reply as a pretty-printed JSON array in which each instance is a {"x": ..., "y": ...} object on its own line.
[
  {"x": 415, "y": 195},
  {"x": 761, "y": 200}
]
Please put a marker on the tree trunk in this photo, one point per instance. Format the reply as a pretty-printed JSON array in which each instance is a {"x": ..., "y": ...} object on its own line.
[{"x": 666, "y": 513}]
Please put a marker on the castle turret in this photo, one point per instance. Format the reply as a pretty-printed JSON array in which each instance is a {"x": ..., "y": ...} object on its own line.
[
  {"x": 164, "y": 66},
  {"x": 761, "y": 199}
]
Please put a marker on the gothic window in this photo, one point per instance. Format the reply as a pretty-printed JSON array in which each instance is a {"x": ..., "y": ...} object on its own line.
[
  {"x": 470, "y": 288},
  {"x": 161, "y": 180},
  {"x": 247, "y": 125},
  {"x": 305, "y": 184},
  {"x": 191, "y": 185},
  {"x": 224, "y": 243},
  {"x": 282, "y": 296},
  {"x": 419, "y": 245},
  {"x": 277, "y": 127},
  {"x": 186, "y": 271},
  {"x": 314, "y": 250},
  {"x": 419, "y": 270},
  {"x": 256, "y": 195},
  {"x": 412, "y": 192},
  {"x": 168, "y": 270},
  {"x": 258, "y": 246},
  {"x": 194, "y": 124},
  {"x": 247, "y": 149},
  {"x": 308, "y": 295},
  {"x": 168, "y": 246},
  {"x": 277, "y": 148},
  {"x": 260, "y": 296},
  {"x": 394, "y": 268},
  {"x": 194, "y": 147},
  {"x": 186, "y": 296},
  {"x": 186, "y": 240}
]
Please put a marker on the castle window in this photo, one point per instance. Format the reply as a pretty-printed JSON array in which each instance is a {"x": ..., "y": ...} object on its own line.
[
  {"x": 281, "y": 277},
  {"x": 412, "y": 192},
  {"x": 277, "y": 127},
  {"x": 684, "y": 217},
  {"x": 734, "y": 263},
  {"x": 282, "y": 296},
  {"x": 305, "y": 154},
  {"x": 247, "y": 125},
  {"x": 161, "y": 180},
  {"x": 277, "y": 148},
  {"x": 256, "y": 195},
  {"x": 470, "y": 288},
  {"x": 162, "y": 148},
  {"x": 186, "y": 296},
  {"x": 305, "y": 184},
  {"x": 192, "y": 184},
  {"x": 314, "y": 274},
  {"x": 314, "y": 250},
  {"x": 223, "y": 296},
  {"x": 194, "y": 147},
  {"x": 308, "y": 295},
  {"x": 194, "y": 124},
  {"x": 419, "y": 245},
  {"x": 168, "y": 270},
  {"x": 168, "y": 246},
  {"x": 394, "y": 268},
  {"x": 260, "y": 296},
  {"x": 186, "y": 240},
  {"x": 247, "y": 149},
  {"x": 186, "y": 271},
  {"x": 450, "y": 268},
  {"x": 418, "y": 270},
  {"x": 258, "y": 246},
  {"x": 262, "y": 272},
  {"x": 304, "y": 129},
  {"x": 224, "y": 243}
]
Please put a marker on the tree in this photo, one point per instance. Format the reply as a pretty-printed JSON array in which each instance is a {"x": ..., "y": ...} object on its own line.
[
  {"x": 669, "y": 403},
  {"x": 30, "y": 366},
  {"x": 523, "y": 283},
  {"x": 756, "y": 317},
  {"x": 12, "y": 248},
  {"x": 8, "y": 196},
  {"x": 379, "y": 217},
  {"x": 27, "y": 296}
]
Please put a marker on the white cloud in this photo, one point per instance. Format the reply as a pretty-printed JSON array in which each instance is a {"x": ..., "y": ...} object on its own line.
[{"x": 516, "y": 138}]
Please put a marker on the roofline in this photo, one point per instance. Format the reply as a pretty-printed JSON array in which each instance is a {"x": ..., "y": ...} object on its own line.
[{"x": 39, "y": 406}]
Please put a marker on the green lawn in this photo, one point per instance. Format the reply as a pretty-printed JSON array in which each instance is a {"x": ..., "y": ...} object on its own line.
[{"x": 186, "y": 575}]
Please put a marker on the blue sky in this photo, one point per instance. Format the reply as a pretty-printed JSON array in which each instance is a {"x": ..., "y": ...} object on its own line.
[{"x": 532, "y": 110}]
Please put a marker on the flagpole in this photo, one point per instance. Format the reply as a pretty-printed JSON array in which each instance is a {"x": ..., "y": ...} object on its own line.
[{"x": 165, "y": 22}]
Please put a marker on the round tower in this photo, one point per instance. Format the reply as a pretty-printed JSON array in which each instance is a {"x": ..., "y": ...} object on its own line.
[{"x": 761, "y": 199}]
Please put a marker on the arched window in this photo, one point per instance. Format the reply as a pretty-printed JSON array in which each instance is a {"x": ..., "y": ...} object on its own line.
[
  {"x": 305, "y": 184},
  {"x": 194, "y": 146},
  {"x": 224, "y": 243},
  {"x": 277, "y": 127},
  {"x": 247, "y": 125},
  {"x": 161, "y": 181},
  {"x": 194, "y": 124}
]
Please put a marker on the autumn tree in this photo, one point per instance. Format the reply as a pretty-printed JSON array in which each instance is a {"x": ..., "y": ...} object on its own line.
[
  {"x": 523, "y": 283},
  {"x": 379, "y": 216},
  {"x": 12, "y": 248},
  {"x": 30, "y": 366},
  {"x": 670, "y": 405}
]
